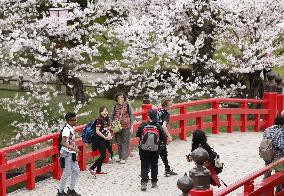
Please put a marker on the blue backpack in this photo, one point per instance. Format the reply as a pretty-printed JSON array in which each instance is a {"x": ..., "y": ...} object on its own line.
[{"x": 88, "y": 134}]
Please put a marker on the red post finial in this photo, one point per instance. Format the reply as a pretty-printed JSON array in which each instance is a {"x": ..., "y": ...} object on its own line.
[{"x": 146, "y": 106}]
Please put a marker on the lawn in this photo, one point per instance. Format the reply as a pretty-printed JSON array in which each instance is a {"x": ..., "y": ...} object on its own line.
[
  {"x": 6, "y": 118},
  {"x": 7, "y": 131},
  {"x": 280, "y": 71}
]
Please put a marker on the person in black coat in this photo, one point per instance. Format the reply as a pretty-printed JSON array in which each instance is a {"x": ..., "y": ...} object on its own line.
[
  {"x": 150, "y": 134},
  {"x": 199, "y": 138}
]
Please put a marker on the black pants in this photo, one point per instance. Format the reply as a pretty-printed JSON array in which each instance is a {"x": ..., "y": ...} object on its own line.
[
  {"x": 148, "y": 162},
  {"x": 109, "y": 148},
  {"x": 102, "y": 146},
  {"x": 164, "y": 156}
]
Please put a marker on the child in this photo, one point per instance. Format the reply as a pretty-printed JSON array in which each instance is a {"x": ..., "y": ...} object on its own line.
[
  {"x": 68, "y": 161},
  {"x": 199, "y": 137},
  {"x": 163, "y": 120},
  {"x": 150, "y": 134},
  {"x": 102, "y": 140}
]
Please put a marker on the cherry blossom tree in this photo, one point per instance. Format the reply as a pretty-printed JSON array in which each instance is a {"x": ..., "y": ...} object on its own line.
[
  {"x": 33, "y": 43},
  {"x": 146, "y": 43},
  {"x": 163, "y": 36},
  {"x": 194, "y": 33},
  {"x": 251, "y": 30}
]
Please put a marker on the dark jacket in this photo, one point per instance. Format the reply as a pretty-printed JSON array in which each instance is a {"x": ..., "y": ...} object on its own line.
[
  {"x": 98, "y": 140},
  {"x": 164, "y": 116},
  {"x": 214, "y": 179}
]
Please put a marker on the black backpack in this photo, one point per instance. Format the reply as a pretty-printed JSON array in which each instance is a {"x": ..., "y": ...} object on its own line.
[{"x": 60, "y": 139}]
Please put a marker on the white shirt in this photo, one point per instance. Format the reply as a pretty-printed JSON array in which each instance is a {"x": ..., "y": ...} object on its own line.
[{"x": 68, "y": 132}]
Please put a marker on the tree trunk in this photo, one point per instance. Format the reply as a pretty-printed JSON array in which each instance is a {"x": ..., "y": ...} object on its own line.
[
  {"x": 74, "y": 86},
  {"x": 255, "y": 85},
  {"x": 208, "y": 49}
]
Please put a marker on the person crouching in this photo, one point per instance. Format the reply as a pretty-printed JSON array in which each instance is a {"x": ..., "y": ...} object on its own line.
[{"x": 150, "y": 134}]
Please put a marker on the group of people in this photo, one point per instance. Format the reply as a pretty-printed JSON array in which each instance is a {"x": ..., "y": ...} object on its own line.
[{"x": 154, "y": 137}]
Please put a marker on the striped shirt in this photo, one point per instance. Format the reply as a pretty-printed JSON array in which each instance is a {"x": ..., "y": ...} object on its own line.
[{"x": 126, "y": 115}]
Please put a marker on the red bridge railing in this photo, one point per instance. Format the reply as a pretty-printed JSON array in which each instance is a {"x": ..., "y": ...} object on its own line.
[
  {"x": 215, "y": 109},
  {"x": 265, "y": 188}
]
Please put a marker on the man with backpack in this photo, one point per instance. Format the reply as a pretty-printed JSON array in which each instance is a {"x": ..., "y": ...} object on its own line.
[
  {"x": 150, "y": 134},
  {"x": 163, "y": 119},
  {"x": 68, "y": 159}
]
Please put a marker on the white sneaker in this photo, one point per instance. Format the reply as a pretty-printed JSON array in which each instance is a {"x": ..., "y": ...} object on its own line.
[
  {"x": 122, "y": 161},
  {"x": 111, "y": 160},
  {"x": 118, "y": 160}
]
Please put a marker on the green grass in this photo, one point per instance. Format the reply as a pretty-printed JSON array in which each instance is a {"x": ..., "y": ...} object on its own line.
[
  {"x": 225, "y": 50},
  {"x": 7, "y": 131},
  {"x": 280, "y": 71}
]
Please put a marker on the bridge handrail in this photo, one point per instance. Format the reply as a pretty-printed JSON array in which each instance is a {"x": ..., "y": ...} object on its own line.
[
  {"x": 78, "y": 128},
  {"x": 33, "y": 141},
  {"x": 45, "y": 138},
  {"x": 249, "y": 178},
  {"x": 220, "y": 100}
]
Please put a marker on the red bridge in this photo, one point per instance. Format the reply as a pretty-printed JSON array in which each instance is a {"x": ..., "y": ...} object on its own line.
[{"x": 254, "y": 113}]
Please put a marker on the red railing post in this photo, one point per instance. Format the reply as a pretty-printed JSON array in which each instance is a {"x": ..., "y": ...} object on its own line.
[
  {"x": 82, "y": 157},
  {"x": 199, "y": 122},
  {"x": 215, "y": 117},
  {"x": 256, "y": 122},
  {"x": 244, "y": 107},
  {"x": 280, "y": 103},
  {"x": 3, "y": 175},
  {"x": 230, "y": 123},
  {"x": 30, "y": 175},
  {"x": 182, "y": 123},
  {"x": 248, "y": 187},
  {"x": 56, "y": 174},
  {"x": 208, "y": 192},
  {"x": 270, "y": 99}
]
